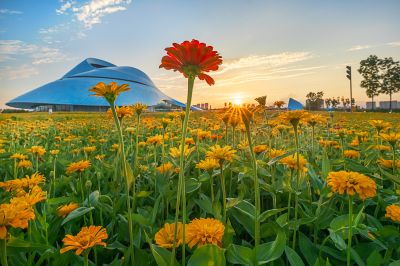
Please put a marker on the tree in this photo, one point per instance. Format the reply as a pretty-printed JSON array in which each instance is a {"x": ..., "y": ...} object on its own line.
[
  {"x": 369, "y": 70},
  {"x": 314, "y": 100},
  {"x": 390, "y": 77},
  {"x": 279, "y": 104}
]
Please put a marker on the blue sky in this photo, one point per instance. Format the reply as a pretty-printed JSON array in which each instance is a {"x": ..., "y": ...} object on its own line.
[{"x": 276, "y": 48}]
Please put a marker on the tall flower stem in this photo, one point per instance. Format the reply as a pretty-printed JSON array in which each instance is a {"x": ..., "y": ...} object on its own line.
[
  {"x": 125, "y": 169},
  {"x": 350, "y": 235},
  {"x": 223, "y": 187},
  {"x": 296, "y": 195},
  {"x": 181, "y": 180},
  {"x": 3, "y": 252},
  {"x": 86, "y": 259},
  {"x": 256, "y": 190},
  {"x": 135, "y": 160}
]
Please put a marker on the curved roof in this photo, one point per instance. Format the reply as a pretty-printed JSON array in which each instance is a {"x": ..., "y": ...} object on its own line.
[{"x": 72, "y": 88}]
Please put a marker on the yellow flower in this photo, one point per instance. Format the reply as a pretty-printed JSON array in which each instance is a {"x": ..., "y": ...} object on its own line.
[
  {"x": 208, "y": 164},
  {"x": 204, "y": 231},
  {"x": 221, "y": 154},
  {"x": 273, "y": 153},
  {"x": 37, "y": 150},
  {"x": 176, "y": 152},
  {"x": 291, "y": 162},
  {"x": 352, "y": 183},
  {"x": 24, "y": 164},
  {"x": 293, "y": 117},
  {"x": 64, "y": 210},
  {"x": 15, "y": 214},
  {"x": 87, "y": 238},
  {"x": 165, "y": 236},
  {"x": 89, "y": 149},
  {"x": 110, "y": 92},
  {"x": 54, "y": 152},
  {"x": 393, "y": 213},
  {"x": 78, "y": 166},
  {"x": 165, "y": 167},
  {"x": 315, "y": 119},
  {"x": 123, "y": 111},
  {"x": 115, "y": 147},
  {"x": 19, "y": 156},
  {"x": 138, "y": 108},
  {"x": 379, "y": 124},
  {"x": 382, "y": 148},
  {"x": 189, "y": 141},
  {"x": 392, "y": 138},
  {"x": 155, "y": 140},
  {"x": 21, "y": 183},
  {"x": 388, "y": 163},
  {"x": 352, "y": 154},
  {"x": 100, "y": 157},
  {"x": 260, "y": 148}
]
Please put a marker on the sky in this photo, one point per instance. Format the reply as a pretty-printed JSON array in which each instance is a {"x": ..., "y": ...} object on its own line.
[{"x": 280, "y": 49}]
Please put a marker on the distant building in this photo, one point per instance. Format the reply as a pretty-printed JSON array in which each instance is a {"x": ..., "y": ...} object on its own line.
[
  {"x": 70, "y": 93},
  {"x": 371, "y": 105},
  {"x": 386, "y": 105}
]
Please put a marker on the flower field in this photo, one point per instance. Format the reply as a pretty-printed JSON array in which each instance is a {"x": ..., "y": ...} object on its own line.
[
  {"x": 63, "y": 173},
  {"x": 236, "y": 186}
]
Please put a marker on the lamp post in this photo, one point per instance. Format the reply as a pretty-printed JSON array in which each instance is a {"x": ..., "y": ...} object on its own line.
[{"x": 348, "y": 75}]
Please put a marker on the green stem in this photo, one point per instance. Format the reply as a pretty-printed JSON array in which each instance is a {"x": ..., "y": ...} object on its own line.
[
  {"x": 211, "y": 186},
  {"x": 223, "y": 187},
  {"x": 135, "y": 162},
  {"x": 125, "y": 168},
  {"x": 3, "y": 252},
  {"x": 86, "y": 259},
  {"x": 256, "y": 190},
  {"x": 350, "y": 235},
  {"x": 181, "y": 180},
  {"x": 296, "y": 196}
]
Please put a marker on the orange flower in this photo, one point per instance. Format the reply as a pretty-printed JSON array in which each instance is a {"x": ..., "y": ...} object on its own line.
[
  {"x": 393, "y": 212},
  {"x": 78, "y": 166},
  {"x": 165, "y": 168},
  {"x": 165, "y": 236},
  {"x": 21, "y": 183},
  {"x": 15, "y": 214},
  {"x": 192, "y": 59},
  {"x": 352, "y": 154},
  {"x": 38, "y": 150},
  {"x": 109, "y": 91},
  {"x": 352, "y": 183},
  {"x": 87, "y": 238},
  {"x": 208, "y": 164},
  {"x": 291, "y": 162},
  {"x": 260, "y": 148},
  {"x": 64, "y": 210},
  {"x": 221, "y": 154},
  {"x": 204, "y": 231}
]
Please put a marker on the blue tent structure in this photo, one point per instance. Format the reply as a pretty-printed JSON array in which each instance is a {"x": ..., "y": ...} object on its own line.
[
  {"x": 294, "y": 105},
  {"x": 70, "y": 93}
]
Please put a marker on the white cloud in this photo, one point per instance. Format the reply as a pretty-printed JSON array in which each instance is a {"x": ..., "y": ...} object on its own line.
[
  {"x": 10, "y": 49},
  {"x": 92, "y": 12},
  {"x": 394, "y": 44},
  {"x": 358, "y": 48},
  {"x": 10, "y": 12},
  {"x": 244, "y": 70},
  {"x": 20, "y": 72}
]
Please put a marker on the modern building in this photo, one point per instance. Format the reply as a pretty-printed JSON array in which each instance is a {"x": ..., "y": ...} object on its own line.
[
  {"x": 71, "y": 92},
  {"x": 371, "y": 105},
  {"x": 386, "y": 105}
]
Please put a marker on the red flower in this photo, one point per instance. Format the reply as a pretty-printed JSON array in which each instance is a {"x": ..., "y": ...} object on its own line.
[{"x": 192, "y": 59}]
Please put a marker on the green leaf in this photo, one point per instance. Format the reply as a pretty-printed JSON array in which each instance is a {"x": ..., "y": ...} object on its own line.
[
  {"x": 143, "y": 194},
  {"x": 374, "y": 259},
  {"x": 265, "y": 215},
  {"x": 308, "y": 249},
  {"x": 25, "y": 245},
  {"x": 244, "y": 212},
  {"x": 210, "y": 255},
  {"x": 240, "y": 255},
  {"x": 192, "y": 185},
  {"x": 76, "y": 214},
  {"x": 271, "y": 251},
  {"x": 293, "y": 258},
  {"x": 162, "y": 256},
  {"x": 337, "y": 239}
]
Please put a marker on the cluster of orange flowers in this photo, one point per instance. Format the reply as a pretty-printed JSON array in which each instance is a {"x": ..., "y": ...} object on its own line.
[
  {"x": 198, "y": 232},
  {"x": 25, "y": 192}
]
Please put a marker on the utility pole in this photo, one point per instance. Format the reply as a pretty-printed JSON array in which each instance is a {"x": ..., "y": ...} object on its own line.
[{"x": 348, "y": 75}]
